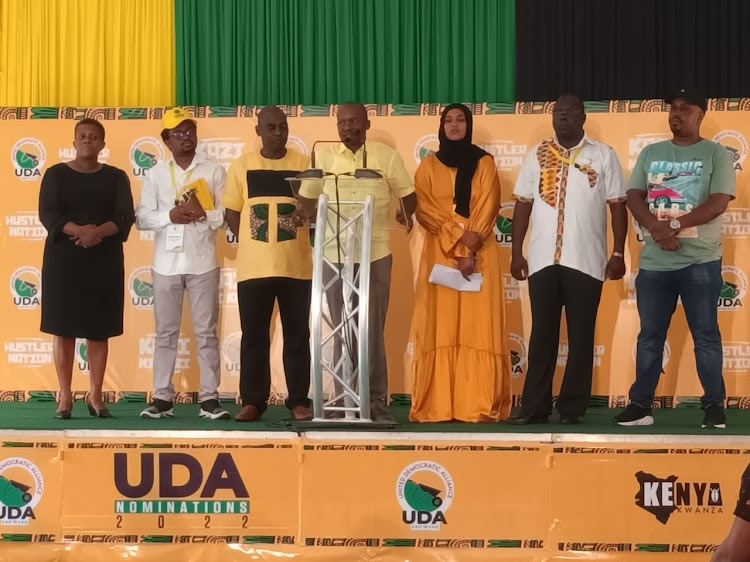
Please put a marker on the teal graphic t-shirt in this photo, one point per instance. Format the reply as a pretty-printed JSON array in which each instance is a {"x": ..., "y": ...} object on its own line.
[{"x": 678, "y": 179}]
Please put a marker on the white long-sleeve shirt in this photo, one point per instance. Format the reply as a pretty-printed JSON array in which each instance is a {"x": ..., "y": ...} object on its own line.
[{"x": 198, "y": 253}]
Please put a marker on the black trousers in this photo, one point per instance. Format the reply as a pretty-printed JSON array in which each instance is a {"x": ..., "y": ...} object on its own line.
[
  {"x": 550, "y": 290},
  {"x": 380, "y": 292},
  {"x": 256, "y": 299}
]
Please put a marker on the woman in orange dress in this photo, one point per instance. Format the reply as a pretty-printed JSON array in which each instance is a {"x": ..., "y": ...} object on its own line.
[{"x": 461, "y": 368}]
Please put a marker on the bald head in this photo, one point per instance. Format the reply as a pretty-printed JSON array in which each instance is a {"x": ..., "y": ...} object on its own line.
[
  {"x": 273, "y": 131},
  {"x": 270, "y": 112},
  {"x": 352, "y": 123},
  {"x": 353, "y": 107}
]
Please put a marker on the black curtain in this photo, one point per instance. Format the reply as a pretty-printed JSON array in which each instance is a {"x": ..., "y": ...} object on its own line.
[{"x": 631, "y": 49}]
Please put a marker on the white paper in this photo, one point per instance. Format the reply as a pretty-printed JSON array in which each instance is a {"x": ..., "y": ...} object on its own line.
[
  {"x": 175, "y": 237},
  {"x": 452, "y": 278}
]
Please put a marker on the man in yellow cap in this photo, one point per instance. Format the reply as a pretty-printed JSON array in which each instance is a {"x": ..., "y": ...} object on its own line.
[{"x": 180, "y": 202}]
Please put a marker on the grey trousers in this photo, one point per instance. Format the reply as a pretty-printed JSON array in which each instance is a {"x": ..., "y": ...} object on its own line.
[
  {"x": 380, "y": 291},
  {"x": 203, "y": 297}
]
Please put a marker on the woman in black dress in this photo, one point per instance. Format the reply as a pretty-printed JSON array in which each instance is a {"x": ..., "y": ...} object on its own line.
[{"x": 87, "y": 209}]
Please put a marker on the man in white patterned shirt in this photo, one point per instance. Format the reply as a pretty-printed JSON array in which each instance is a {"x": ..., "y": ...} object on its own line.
[
  {"x": 565, "y": 186},
  {"x": 184, "y": 261}
]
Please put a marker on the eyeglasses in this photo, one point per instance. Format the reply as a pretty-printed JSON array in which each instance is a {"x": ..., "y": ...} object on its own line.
[{"x": 179, "y": 135}]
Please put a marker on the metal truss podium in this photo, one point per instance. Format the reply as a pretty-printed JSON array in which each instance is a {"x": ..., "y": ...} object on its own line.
[{"x": 350, "y": 236}]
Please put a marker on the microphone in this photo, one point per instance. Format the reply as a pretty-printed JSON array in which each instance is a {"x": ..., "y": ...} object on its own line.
[
  {"x": 364, "y": 172},
  {"x": 316, "y": 143},
  {"x": 312, "y": 172},
  {"x": 360, "y": 173}
]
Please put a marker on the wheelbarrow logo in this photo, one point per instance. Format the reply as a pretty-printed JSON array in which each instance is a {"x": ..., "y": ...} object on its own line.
[
  {"x": 733, "y": 289},
  {"x": 26, "y": 287},
  {"x": 28, "y": 156},
  {"x": 504, "y": 224},
  {"x": 21, "y": 489},
  {"x": 145, "y": 152},
  {"x": 425, "y": 491},
  {"x": 736, "y": 144},
  {"x": 141, "y": 287},
  {"x": 426, "y": 146}
]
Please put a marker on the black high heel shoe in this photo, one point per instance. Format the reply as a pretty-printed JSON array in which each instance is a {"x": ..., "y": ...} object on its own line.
[
  {"x": 63, "y": 413},
  {"x": 103, "y": 413}
]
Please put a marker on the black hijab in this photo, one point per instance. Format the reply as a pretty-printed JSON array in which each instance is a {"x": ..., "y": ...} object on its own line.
[{"x": 460, "y": 154}]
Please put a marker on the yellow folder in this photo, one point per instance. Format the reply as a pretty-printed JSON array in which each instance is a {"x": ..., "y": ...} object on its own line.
[{"x": 200, "y": 188}]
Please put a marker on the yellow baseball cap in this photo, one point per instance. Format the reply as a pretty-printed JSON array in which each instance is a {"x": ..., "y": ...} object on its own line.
[{"x": 175, "y": 116}]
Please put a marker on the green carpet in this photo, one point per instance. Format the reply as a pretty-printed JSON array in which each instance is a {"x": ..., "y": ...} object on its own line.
[{"x": 40, "y": 416}]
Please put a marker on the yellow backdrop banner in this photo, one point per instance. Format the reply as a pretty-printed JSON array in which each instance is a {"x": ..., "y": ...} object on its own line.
[
  {"x": 35, "y": 138},
  {"x": 350, "y": 498}
]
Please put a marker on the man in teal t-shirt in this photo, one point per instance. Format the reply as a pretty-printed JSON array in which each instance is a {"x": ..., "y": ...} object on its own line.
[{"x": 678, "y": 191}]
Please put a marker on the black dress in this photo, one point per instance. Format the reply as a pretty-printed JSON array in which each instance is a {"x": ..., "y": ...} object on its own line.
[{"x": 83, "y": 288}]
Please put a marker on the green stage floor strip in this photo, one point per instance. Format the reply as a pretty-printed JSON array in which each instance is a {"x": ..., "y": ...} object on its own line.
[{"x": 39, "y": 416}]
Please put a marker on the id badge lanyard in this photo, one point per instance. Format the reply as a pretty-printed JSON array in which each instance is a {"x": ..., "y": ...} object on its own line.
[{"x": 176, "y": 232}]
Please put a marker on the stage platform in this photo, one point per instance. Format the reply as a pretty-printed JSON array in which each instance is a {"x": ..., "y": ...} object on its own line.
[
  {"x": 39, "y": 416},
  {"x": 193, "y": 489}
]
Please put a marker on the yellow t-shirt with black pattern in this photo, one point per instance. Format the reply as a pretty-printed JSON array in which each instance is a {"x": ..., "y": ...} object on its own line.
[{"x": 270, "y": 245}]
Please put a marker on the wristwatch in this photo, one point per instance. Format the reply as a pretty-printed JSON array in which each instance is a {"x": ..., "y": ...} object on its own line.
[{"x": 674, "y": 224}]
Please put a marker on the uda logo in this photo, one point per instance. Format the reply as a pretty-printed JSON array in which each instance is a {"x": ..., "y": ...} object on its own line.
[
  {"x": 145, "y": 152},
  {"x": 736, "y": 145},
  {"x": 425, "y": 491},
  {"x": 21, "y": 489},
  {"x": 733, "y": 288},
  {"x": 28, "y": 156}
]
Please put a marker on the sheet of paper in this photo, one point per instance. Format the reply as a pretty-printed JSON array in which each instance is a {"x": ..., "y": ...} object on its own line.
[
  {"x": 452, "y": 278},
  {"x": 175, "y": 237}
]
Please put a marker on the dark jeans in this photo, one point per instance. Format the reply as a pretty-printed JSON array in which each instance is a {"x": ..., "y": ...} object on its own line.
[
  {"x": 550, "y": 290},
  {"x": 699, "y": 287},
  {"x": 256, "y": 298}
]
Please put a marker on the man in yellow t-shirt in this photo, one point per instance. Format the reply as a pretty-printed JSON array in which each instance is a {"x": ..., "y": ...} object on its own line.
[
  {"x": 274, "y": 262},
  {"x": 355, "y": 152}
]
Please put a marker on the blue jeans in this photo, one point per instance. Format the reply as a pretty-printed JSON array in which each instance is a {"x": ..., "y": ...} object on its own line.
[{"x": 699, "y": 286}]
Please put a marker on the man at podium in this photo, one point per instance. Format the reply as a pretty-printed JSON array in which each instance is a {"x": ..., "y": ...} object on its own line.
[{"x": 340, "y": 161}]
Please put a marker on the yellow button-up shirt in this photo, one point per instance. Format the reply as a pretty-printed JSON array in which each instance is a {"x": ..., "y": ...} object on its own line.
[{"x": 397, "y": 182}]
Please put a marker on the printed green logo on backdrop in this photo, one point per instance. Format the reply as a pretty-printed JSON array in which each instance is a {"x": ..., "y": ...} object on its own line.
[
  {"x": 145, "y": 152},
  {"x": 21, "y": 490},
  {"x": 425, "y": 492},
  {"x": 733, "y": 289},
  {"x": 28, "y": 156},
  {"x": 26, "y": 287}
]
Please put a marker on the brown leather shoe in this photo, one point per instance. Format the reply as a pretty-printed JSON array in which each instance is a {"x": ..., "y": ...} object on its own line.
[
  {"x": 301, "y": 413},
  {"x": 248, "y": 414}
]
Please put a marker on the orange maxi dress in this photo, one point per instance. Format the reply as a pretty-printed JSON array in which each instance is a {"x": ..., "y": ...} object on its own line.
[{"x": 461, "y": 366}]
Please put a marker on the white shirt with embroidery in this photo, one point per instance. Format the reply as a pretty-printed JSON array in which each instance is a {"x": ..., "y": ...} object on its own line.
[{"x": 570, "y": 191}]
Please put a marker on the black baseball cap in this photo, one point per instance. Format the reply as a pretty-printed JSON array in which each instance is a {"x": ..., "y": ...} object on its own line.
[{"x": 689, "y": 96}]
